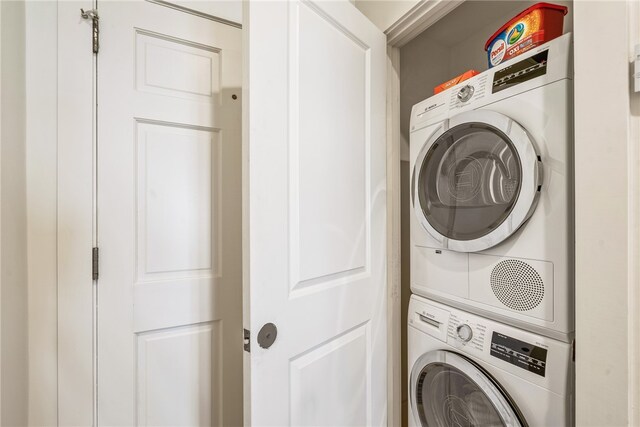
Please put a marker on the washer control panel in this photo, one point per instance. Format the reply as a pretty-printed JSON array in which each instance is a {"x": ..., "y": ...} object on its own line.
[
  {"x": 466, "y": 331},
  {"x": 535, "y": 358},
  {"x": 519, "y": 353}
]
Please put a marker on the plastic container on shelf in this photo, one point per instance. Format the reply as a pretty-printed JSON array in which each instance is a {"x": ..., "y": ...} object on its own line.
[
  {"x": 454, "y": 81},
  {"x": 534, "y": 26}
]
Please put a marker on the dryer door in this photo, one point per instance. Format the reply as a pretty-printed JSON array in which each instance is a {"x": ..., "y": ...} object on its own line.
[
  {"x": 449, "y": 390},
  {"x": 476, "y": 180}
]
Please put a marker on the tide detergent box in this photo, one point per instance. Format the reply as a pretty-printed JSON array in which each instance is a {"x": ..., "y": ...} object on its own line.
[{"x": 532, "y": 27}]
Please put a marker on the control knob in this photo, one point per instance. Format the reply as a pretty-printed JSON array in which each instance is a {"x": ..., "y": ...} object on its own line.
[
  {"x": 465, "y": 333},
  {"x": 466, "y": 93}
]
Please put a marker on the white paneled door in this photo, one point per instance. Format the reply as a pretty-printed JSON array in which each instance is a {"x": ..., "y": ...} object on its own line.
[
  {"x": 169, "y": 299},
  {"x": 315, "y": 215}
]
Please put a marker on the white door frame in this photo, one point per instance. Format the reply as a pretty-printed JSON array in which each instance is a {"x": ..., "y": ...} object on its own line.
[
  {"x": 60, "y": 213},
  {"x": 415, "y": 21},
  {"x": 394, "y": 324},
  {"x": 75, "y": 219}
]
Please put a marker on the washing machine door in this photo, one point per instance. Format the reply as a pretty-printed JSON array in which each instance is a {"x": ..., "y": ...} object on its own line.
[
  {"x": 476, "y": 180},
  {"x": 449, "y": 390}
]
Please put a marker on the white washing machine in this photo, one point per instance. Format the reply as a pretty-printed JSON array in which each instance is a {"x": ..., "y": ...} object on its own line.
[
  {"x": 466, "y": 370},
  {"x": 491, "y": 193}
]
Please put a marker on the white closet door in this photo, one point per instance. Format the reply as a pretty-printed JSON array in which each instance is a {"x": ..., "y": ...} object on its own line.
[
  {"x": 315, "y": 215},
  {"x": 169, "y": 298}
]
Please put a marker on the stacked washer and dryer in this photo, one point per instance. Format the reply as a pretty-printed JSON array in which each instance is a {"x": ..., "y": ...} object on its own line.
[{"x": 491, "y": 321}]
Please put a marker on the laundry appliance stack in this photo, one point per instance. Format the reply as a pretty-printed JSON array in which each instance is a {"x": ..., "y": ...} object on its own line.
[{"x": 491, "y": 321}]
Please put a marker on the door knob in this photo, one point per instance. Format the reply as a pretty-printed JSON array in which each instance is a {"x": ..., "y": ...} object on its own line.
[{"x": 267, "y": 335}]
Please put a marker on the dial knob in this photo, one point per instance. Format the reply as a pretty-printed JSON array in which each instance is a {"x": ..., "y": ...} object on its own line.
[
  {"x": 466, "y": 93},
  {"x": 465, "y": 333}
]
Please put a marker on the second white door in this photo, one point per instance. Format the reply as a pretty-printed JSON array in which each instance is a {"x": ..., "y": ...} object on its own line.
[{"x": 169, "y": 308}]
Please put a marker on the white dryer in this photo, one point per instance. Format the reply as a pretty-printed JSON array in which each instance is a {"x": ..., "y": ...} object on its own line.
[
  {"x": 491, "y": 193},
  {"x": 469, "y": 371}
]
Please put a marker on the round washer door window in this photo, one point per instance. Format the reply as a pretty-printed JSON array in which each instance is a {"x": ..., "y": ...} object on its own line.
[
  {"x": 476, "y": 180},
  {"x": 449, "y": 390}
]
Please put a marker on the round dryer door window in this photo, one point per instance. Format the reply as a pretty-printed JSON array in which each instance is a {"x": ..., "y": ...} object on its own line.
[
  {"x": 449, "y": 390},
  {"x": 476, "y": 180}
]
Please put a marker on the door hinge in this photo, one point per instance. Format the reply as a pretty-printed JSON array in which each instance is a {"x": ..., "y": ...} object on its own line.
[
  {"x": 95, "y": 19},
  {"x": 247, "y": 341},
  {"x": 94, "y": 263}
]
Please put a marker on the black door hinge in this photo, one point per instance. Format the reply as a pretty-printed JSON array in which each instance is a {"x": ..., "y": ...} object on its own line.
[
  {"x": 95, "y": 19},
  {"x": 247, "y": 341},
  {"x": 94, "y": 263}
]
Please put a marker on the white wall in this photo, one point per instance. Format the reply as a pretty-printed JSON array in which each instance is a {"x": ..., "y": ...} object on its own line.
[
  {"x": 41, "y": 154},
  {"x": 607, "y": 120},
  {"x": 13, "y": 248},
  {"x": 384, "y": 13}
]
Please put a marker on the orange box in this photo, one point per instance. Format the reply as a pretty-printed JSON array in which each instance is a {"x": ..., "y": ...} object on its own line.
[{"x": 454, "y": 81}]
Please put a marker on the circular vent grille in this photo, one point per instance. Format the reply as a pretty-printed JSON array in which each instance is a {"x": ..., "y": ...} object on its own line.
[{"x": 517, "y": 285}]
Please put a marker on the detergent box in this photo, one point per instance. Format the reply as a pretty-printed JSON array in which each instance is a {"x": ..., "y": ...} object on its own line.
[
  {"x": 454, "y": 81},
  {"x": 532, "y": 27}
]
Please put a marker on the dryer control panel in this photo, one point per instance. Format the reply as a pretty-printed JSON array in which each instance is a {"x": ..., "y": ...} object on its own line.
[
  {"x": 536, "y": 68},
  {"x": 474, "y": 91}
]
